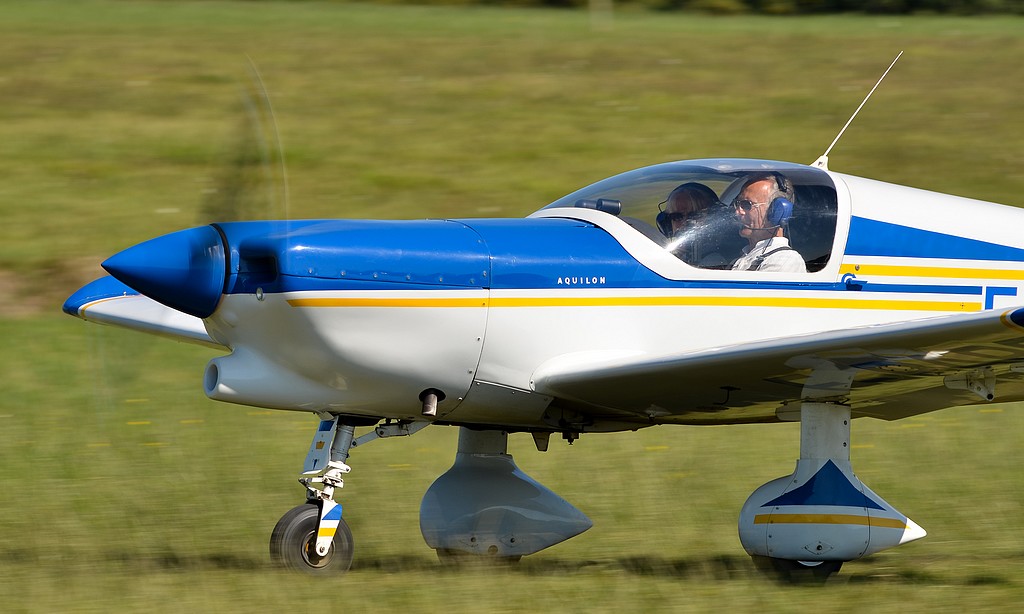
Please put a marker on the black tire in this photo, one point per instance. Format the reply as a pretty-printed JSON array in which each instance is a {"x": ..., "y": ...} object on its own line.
[
  {"x": 293, "y": 544},
  {"x": 797, "y": 572},
  {"x": 458, "y": 558}
]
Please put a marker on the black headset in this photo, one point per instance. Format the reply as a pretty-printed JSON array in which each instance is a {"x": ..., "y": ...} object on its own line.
[{"x": 664, "y": 221}]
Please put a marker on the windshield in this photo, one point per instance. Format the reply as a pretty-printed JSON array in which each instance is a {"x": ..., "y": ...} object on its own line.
[{"x": 707, "y": 212}]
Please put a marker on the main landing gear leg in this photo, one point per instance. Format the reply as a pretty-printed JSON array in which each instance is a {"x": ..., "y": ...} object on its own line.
[{"x": 804, "y": 526}]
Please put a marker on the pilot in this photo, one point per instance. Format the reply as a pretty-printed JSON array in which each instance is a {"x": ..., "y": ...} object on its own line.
[
  {"x": 763, "y": 208},
  {"x": 685, "y": 221}
]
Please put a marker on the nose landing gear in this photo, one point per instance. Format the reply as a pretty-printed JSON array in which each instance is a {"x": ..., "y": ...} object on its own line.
[
  {"x": 293, "y": 544},
  {"x": 313, "y": 537}
]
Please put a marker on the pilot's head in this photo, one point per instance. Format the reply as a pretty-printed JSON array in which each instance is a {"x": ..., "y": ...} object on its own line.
[
  {"x": 687, "y": 205},
  {"x": 763, "y": 207},
  {"x": 688, "y": 220}
]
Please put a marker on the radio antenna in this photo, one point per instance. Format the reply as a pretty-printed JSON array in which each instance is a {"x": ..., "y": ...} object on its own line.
[{"x": 822, "y": 162}]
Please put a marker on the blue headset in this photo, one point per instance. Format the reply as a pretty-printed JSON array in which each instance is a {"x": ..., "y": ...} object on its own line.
[{"x": 780, "y": 208}]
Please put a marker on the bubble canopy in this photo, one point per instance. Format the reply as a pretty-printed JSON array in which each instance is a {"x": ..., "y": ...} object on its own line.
[{"x": 638, "y": 196}]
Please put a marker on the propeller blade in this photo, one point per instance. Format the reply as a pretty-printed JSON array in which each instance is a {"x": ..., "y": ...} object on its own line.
[{"x": 253, "y": 185}]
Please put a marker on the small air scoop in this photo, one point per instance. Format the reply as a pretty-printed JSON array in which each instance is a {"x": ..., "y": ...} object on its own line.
[
  {"x": 607, "y": 205},
  {"x": 184, "y": 270}
]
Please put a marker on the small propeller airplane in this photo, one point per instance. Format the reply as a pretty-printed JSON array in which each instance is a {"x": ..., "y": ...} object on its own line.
[{"x": 608, "y": 310}]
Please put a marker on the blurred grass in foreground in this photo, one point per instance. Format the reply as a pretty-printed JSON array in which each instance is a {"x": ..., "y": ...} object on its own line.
[{"x": 125, "y": 487}]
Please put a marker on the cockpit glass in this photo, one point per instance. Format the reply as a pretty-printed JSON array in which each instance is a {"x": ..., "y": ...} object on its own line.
[{"x": 693, "y": 209}]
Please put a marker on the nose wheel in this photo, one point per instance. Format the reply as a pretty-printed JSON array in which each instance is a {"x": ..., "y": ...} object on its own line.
[{"x": 293, "y": 543}]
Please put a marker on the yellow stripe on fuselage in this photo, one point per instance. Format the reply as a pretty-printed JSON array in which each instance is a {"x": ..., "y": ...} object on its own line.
[
  {"x": 868, "y": 521},
  {"x": 892, "y": 270},
  {"x": 643, "y": 301},
  {"x": 735, "y": 301}
]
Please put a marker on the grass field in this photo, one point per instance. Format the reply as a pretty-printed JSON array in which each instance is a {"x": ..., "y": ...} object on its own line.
[{"x": 124, "y": 487}]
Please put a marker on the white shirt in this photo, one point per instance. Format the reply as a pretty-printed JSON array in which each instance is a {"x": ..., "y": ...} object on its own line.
[{"x": 774, "y": 254}]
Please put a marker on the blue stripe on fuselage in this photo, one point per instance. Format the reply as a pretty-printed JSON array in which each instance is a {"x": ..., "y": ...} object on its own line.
[
  {"x": 922, "y": 289},
  {"x": 875, "y": 238}
]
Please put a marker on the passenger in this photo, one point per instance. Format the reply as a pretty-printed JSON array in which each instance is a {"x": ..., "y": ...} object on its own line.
[
  {"x": 763, "y": 208},
  {"x": 685, "y": 221}
]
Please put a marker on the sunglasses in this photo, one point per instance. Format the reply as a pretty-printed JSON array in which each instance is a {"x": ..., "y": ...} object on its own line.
[
  {"x": 678, "y": 217},
  {"x": 745, "y": 204}
]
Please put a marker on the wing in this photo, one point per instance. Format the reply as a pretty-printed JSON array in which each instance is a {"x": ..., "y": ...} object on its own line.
[
  {"x": 108, "y": 301},
  {"x": 898, "y": 370}
]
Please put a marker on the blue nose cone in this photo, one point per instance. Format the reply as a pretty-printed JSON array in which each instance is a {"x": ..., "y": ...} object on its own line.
[{"x": 184, "y": 270}]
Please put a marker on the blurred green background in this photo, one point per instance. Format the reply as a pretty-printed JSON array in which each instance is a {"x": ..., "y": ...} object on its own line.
[{"x": 124, "y": 487}]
